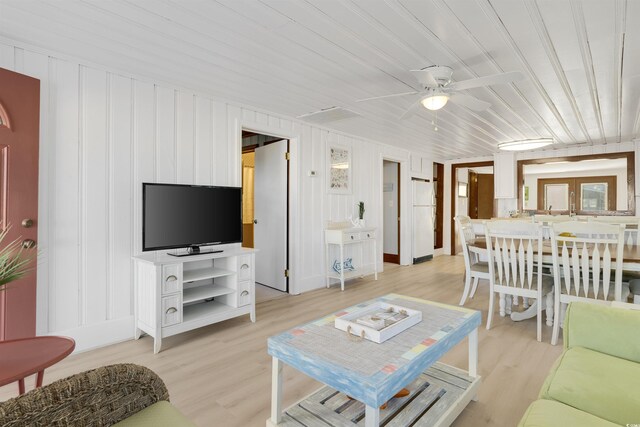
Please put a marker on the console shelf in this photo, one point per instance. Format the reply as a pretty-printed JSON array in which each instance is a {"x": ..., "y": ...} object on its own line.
[
  {"x": 173, "y": 294},
  {"x": 205, "y": 273},
  {"x": 204, "y": 292}
]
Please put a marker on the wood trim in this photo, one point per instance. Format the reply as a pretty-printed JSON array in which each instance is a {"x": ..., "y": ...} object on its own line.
[
  {"x": 249, "y": 148},
  {"x": 454, "y": 189},
  {"x": 392, "y": 258},
  {"x": 631, "y": 179},
  {"x": 399, "y": 211},
  {"x": 439, "y": 184},
  {"x": 573, "y": 184},
  {"x": 472, "y": 195}
]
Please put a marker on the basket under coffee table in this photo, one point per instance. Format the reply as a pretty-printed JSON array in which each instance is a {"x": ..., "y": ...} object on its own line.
[{"x": 373, "y": 373}]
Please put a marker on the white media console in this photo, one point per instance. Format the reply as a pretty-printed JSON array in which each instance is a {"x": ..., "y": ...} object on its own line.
[{"x": 178, "y": 294}]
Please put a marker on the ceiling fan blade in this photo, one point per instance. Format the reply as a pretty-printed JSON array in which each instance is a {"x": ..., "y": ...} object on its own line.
[
  {"x": 425, "y": 78},
  {"x": 412, "y": 110},
  {"x": 494, "y": 79},
  {"x": 469, "y": 101},
  {"x": 388, "y": 96}
]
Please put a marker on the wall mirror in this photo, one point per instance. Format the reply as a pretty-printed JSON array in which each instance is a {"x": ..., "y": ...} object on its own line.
[{"x": 599, "y": 184}]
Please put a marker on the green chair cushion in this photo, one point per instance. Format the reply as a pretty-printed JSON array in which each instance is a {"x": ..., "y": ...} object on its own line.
[
  {"x": 602, "y": 385},
  {"x": 160, "y": 414},
  {"x": 549, "y": 413}
]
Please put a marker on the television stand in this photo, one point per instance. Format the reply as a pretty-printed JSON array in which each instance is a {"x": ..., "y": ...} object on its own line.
[{"x": 175, "y": 295}]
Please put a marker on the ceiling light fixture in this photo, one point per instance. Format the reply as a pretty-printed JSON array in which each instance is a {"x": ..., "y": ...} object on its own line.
[
  {"x": 435, "y": 101},
  {"x": 525, "y": 144}
]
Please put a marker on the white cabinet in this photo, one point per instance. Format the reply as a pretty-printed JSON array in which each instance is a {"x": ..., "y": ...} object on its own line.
[
  {"x": 421, "y": 167},
  {"x": 175, "y": 295},
  {"x": 504, "y": 172}
]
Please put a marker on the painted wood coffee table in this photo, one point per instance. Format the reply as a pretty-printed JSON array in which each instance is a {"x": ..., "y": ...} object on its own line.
[{"x": 373, "y": 373}]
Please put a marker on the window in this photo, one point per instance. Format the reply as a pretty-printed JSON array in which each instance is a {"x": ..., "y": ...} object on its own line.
[
  {"x": 594, "y": 196},
  {"x": 578, "y": 194},
  {"x": 556, "y": 197}
]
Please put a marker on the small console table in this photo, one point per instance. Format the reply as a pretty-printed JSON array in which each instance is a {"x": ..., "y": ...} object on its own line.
[
  {"x": 350, "y": 236},
  {"x": 178, "y": 294}
]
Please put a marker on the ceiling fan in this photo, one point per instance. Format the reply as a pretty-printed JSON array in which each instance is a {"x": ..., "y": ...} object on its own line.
[{"x": 438, "y": 89}]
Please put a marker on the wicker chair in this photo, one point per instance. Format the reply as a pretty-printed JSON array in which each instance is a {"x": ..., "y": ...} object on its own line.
[{"x": 100, "y": 397}]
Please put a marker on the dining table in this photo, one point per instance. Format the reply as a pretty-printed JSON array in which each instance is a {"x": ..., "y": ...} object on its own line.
[{"x": 630, "y": 263}]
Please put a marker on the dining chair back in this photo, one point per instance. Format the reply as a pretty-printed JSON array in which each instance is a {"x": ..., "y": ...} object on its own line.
[
  {"x": 586, "y": 255},
  {"x": 632, "y": 226},
  {"x": 475, "y": 268},
  {"x": 514, "y": 250}
]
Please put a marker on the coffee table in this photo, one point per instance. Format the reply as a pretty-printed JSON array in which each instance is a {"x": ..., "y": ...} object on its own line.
[{"x": 373, "y": 373}]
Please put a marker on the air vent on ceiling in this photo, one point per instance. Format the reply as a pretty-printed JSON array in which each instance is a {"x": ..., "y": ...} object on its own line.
[{"x": 327, "y": 115}]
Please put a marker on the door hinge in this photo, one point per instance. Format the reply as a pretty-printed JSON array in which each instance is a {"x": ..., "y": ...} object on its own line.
[
  {"x": 286, "y": 273},
  {"x": 287, "y": 156}
]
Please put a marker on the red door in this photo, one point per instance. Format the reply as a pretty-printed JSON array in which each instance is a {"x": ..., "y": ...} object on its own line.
[{"x": 19, "y": 134}]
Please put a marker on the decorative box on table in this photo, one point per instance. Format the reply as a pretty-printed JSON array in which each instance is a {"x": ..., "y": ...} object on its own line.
[{"x": 360, "y": 322}]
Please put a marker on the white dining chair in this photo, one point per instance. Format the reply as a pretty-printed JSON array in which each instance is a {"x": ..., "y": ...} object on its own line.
[
  {"x": 583, "y": 265},
  {"x": 632, "y": 226},
  {"x": 476, "y": 268},
  {"x": 514, "y": 250}
]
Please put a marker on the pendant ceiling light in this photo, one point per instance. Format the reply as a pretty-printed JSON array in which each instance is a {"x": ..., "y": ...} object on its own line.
[{"x": 525, "y": 144}]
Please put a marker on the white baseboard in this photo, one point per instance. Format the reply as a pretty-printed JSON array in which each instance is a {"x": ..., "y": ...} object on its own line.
[{"x": 100, "y": 334}]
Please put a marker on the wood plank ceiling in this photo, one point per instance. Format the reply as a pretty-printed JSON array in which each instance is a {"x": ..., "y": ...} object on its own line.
[{"x": 580, "y": 59}]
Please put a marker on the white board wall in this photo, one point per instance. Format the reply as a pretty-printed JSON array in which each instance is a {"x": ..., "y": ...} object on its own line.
[{"x": 103, "y": 134}]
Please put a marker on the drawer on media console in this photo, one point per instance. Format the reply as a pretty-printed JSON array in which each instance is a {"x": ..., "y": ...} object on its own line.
[
  {"x": 244, "y": 293},
  {"x": 171, "y": 278},
  {"x": 171, "y": 310},
  {"x": 244, "y": 267}
]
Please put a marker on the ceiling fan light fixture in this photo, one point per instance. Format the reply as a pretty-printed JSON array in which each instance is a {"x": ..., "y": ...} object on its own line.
[
  {"x": 525, "y": 144},
  {"x": 435, "y": 102}
]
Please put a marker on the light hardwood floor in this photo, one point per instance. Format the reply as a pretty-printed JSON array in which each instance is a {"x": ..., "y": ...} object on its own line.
[{"x": 220, "y": 375}]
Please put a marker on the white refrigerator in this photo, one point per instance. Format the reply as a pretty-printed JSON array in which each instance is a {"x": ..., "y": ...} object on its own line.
[{"x": 423, "y": 220}]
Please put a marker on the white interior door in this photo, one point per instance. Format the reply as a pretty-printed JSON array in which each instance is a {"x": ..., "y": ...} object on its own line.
[{"x": 270, "y": 213}]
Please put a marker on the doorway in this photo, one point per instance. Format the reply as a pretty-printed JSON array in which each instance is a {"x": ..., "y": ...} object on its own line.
[
  {"x": 462, "y": 198},
  {"x": 480, "y": 193},
  {"x": 438, "y": 191},
  {"x": 391, "y": 211},
  {"x": 265, "y": 210}
]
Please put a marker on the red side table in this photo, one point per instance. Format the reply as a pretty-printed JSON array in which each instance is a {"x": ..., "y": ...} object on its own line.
[{"x": 27, "y": 356}]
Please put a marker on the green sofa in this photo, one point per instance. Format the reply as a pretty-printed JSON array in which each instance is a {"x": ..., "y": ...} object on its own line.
[
  {"x": 596, "y": 381},
  {"x": 123, "y": 395}
]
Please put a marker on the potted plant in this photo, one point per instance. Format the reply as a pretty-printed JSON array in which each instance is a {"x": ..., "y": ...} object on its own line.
[
  {"x": 361, "y": 214},
  {"x": 14, "y": 262}
]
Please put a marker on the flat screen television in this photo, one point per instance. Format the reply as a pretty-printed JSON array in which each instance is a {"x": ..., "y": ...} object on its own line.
[{"x": 190, "y": 216}]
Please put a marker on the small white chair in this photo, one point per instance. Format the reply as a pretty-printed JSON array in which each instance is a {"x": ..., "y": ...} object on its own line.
[
  {"x": 474, "y": 268},
  {"x": 515, "y": 264},
  {"x": 582, "y": 264}
]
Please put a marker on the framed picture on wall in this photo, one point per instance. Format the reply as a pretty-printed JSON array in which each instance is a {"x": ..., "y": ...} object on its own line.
[
  {"x": 339, "y": 173},
  {"x": 462, "y": 189}
]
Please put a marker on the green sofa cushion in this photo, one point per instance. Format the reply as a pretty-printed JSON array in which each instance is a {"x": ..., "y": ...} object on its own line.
[
  {"x": 549, "y": 413},
  {"x": 602, "y": 385},
  {"x": 601, "y": 328},
  {"x": 160, "y": 414}
]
